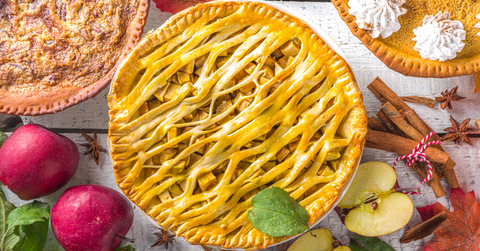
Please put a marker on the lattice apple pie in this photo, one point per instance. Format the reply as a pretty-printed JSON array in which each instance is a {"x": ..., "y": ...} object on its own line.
[{"x": 224, "y": 100}]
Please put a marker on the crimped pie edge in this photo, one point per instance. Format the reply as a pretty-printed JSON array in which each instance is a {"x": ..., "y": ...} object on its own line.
[
  {"x": 13, "y": 104},
  {"x": 402, "y": 62},
  {"x": 358, "y": 124}
]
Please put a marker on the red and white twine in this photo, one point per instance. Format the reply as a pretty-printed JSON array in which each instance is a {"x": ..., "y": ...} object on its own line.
[{"x": 418, "y": 155}]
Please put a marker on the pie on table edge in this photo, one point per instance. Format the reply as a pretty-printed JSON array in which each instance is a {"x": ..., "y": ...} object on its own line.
[
  {"x": 226, "y": 99},
  {"x": 397, "y": 51},
  {"x": 55, "y": 54}
]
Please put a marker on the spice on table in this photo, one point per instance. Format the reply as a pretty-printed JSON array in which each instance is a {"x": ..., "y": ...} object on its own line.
[
  {"x": 399, "y": 120},
  {"x": 391, "y": 127},
  {"x": 426, "y": 228},
  {"x": 375, "y": 124},
  {"x": 412, "y": 127},
  {"x": 458, "y": 132},
  {"x": 448, "y": 97},
  {"x": 401, "y": 146},
  {"x": 92, "y": 147},
  {"x": 420, "y": 100},
  {"x": 163, "y": 238}
]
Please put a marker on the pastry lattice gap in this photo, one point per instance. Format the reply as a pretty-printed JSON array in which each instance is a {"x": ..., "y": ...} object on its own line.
[{"x": 215, "y": 116}]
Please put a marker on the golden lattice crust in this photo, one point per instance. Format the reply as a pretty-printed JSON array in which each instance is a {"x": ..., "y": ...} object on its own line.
[
  {"x": 224, "y": 100},
  {"x": 56, "y": 53},
  {"x": 397, "y": 51}
]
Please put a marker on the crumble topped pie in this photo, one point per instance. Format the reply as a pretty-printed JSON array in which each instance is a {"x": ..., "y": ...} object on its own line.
[
  {"x": 222, "y": 101},
  {"x": 54, "y": 54},
  {"x": 446, "y": 56}
]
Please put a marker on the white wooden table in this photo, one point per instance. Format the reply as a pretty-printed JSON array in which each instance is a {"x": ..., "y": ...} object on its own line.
[{"x": 92, "y": 115}]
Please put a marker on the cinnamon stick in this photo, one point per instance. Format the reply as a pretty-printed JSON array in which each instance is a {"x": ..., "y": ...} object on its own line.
[
  {"x": 399, "y": 120},
  {"x": 426, "y": 228},
  {"x": 378, "y": 87},
  {"x": 401, "y": 146},
  {"x": 428, "y": 102},
  {"x": 421, "y": 170},
  {"x": 391, "y": 127},
  {"x": 375, "y": 124},
  {"x": 446, "y": 168},
  {"x": 383, "y": 92}
]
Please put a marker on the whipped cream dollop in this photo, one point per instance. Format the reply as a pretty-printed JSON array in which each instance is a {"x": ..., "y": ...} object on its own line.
[
  {"x": 439, "y": 38},
  {"x": 380, "y": 17},
  {"x": 478, "y": 24}
]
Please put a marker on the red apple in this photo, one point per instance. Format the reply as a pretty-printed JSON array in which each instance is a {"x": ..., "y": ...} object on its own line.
[
  {"x": 91, "y": 217},
  {"x": 36, "y": 162}
]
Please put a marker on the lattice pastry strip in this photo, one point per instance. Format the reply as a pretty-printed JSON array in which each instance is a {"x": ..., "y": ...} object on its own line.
[{"x": 213, "y": 107}]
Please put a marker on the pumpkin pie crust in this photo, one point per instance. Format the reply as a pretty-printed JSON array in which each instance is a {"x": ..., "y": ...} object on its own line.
[
  {"x": 55, "y": 54},
  {"x": 396, "y": 51},
  {"x": 222, "y": 101}
]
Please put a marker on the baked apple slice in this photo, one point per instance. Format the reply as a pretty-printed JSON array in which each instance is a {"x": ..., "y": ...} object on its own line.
[{"x": 371, "y": 205}]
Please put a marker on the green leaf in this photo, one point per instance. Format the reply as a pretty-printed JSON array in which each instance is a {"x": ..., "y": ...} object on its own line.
[
  {"x": 371, "y": 243},
  {"x": 3, "y": 137},
  {"x": 126, "y": 248},
  {"x": 5, "y": 209},
  {"x": 28, "y": 214},
  {"x": 354, "y": 246},
  {"x": 16, "y": 231},
  {"x": 11, "y": 238},
  {"x": 277, "y": 214},
  {"x": 33, "y": 236}
]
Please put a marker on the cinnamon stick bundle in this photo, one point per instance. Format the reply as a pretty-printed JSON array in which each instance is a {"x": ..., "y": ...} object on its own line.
[
  {"x": 401, "y": 146},
  {"x": 399, "y": 120},
  {"x": 419, "y": 168},
  {"x": 385, "y": 94}
]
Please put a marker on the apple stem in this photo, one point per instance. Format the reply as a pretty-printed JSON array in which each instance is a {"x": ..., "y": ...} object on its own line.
[
  {"x": 408, "y": 191},
  {"x": 125, "y": 238},
  {"x": 310, "y": 230}
]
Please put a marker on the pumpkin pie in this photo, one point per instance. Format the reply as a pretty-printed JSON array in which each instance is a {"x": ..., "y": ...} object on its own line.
[{"x": 428, "y": 38}]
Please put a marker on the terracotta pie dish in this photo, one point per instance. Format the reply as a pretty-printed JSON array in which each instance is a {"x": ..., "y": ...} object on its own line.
[
  {"x": 397, "y": 51},
  {"x": 55, "y": 54},
  {"x": 222, "y": 101}
]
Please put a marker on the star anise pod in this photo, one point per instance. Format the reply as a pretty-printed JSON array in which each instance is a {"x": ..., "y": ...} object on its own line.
[
  {"x": 458, "y": 132},
  {"x": 448, "y": 97},
  {"x": 164, "y": 238},
  {"x": 92, "y": 147}
]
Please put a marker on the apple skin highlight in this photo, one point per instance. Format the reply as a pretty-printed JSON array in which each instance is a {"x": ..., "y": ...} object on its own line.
[
  {"x": 36, "y": 162},
  {"x": 88, "y": 217}
]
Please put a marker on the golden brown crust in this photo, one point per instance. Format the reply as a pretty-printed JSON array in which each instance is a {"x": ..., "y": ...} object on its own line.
[
  {"x": 66, "y": 54},
  {"x": 141, "y": 122},
  {"x": 410, "y": 63}
]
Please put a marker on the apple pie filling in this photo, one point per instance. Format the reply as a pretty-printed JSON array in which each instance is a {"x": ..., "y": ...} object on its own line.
[{"x": 214, "y": 107}]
